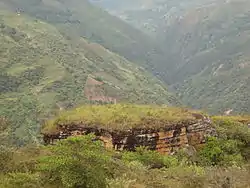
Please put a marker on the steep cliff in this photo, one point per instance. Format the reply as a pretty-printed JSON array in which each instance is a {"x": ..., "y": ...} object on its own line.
[{"x": 126, "y": 127}]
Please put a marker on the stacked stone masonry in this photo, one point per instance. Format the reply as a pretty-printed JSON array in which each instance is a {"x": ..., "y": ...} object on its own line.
[{"x": 164, "y": 140}]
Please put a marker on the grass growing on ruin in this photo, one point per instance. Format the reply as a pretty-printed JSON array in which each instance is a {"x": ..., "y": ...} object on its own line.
[
  {"x": 120, "y": 117},
  {"x": 240, "y": 119}
]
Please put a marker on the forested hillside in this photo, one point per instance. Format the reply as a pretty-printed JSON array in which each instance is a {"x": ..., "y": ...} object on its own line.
[
  {"x": 43, "y": 70},
  {"x": 65, "y": 64},
  {"x": 212, "y": 56},
  {"x": 202, "y": 53},
  {"x": 206, "y": 44},
  {"x": 81, "y": 18}
]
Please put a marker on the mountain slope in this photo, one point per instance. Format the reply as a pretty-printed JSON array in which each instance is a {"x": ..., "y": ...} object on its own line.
[
  {"x": 150, "y": 16},
  {"x": 207, "y": 43},
  {"x": 81, "y": 18},
  {"x": 212, "y": 56},
  {"x": 43, "y": 71}
]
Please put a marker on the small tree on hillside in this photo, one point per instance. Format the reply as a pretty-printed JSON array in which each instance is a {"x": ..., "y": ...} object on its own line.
[{"x": 76, "y": 162}]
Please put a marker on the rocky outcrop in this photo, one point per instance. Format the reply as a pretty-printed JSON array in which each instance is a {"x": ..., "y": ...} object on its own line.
[
  {"x": 165, "y": 140},
  {"x": 94, "y": 91}
]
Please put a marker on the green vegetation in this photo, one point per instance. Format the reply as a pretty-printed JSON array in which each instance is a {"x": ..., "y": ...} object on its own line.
[
  {"x": 206, "y": 43},
  {"x": 232, "y": 129},
  {"x": 43, "y": 71},
  {"x": 50, "y": 48},
  {"x": 238, "y": 118},
  {"x": 120, "y": 117},
  {"x": 231, "y": 147},
  {"x": 199, "y": 48},
  {"x": 152, "y": 159},
  {"x": 79, "y": 18},
  {"x": 212, "y": 73},
  {"x": 77, "y": 162},
  {"x": 81, "y": 162},
  {"x": 221, "y": 151}
]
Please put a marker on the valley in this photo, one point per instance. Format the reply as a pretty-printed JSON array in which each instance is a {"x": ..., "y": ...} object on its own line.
[
  {"x": 124, "y": 94},
  {"x": 206, "y": 44}
]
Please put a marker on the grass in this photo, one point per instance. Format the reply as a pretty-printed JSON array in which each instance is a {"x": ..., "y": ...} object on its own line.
[
  {"x": 238, "y": 118},
  {"x": 17, "y": 69},
  {"x": 120, "y": 117}
]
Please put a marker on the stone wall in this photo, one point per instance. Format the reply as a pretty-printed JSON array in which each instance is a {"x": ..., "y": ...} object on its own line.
[{"x": 164, "y": 140}]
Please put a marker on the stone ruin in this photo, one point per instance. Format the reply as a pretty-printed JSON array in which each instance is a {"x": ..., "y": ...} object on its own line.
[{"x": 165, "y": 139}]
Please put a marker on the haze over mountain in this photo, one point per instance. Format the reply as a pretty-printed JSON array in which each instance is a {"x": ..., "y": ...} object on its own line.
[
  {"x": 207, "y": 45},
  {"x": 80, "y": 18},
  {"x": 99, "y": 93},
  {"x": 49, "y": 49}
]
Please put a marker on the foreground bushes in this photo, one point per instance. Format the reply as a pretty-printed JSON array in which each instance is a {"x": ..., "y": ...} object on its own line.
[
  {"x": 231, "y": 128},
  {"x": 81, "y": 163},
  {"x": 152, "y": 159},
  {"x": 221, "y": 152}
]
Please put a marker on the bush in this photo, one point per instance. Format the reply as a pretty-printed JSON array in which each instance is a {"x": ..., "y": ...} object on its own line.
[
  {"x": 150, "y": 158},
  {"x": 21, "y": 180},
  {"x": 121, "y": 182},
  {"x": 231, "y": 129},
  {"x": 6, "y": 156},
  {"x": 76, "y": 162},
  {"x": 218, "y": 151}
]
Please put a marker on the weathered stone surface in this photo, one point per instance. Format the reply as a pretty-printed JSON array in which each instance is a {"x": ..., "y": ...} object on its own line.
[{"x": 165, "y": 141}]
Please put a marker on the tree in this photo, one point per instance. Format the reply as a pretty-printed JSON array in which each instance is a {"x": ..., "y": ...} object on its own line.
[
  {"x": 218, "y": 151},
  {"x": 77, "y": 162}
]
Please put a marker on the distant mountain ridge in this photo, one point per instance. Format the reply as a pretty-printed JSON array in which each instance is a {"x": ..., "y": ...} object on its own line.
[
  {"x": 50, "y": 47},
  {"x": 207, "y": 45},
  {"x": 81, "y": 18}
]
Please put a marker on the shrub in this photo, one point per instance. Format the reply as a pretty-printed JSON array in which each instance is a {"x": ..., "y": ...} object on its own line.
[
  {"x": 230, "y": 128},
  {"x": 76, "y": 162},
  {"x": 121, "y": 182},
  {"x": 150, "y": 158},
  {"x": 21, "y": 180},
  {"x": 218, "y": 151},
  {"x": 6, "y": 156}
]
